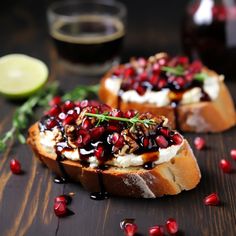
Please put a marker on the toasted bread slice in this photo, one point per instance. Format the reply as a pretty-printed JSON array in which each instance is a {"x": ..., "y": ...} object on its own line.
[
  {"x": 168, "y": 178},
  {"x": 208, "y": 116}
]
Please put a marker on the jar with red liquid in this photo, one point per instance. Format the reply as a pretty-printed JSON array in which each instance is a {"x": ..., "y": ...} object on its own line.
[{"x": 209, "y": 34}]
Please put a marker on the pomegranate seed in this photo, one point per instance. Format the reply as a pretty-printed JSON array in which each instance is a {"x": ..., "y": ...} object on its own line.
[
  {"x": 199, "y": 143},
  {"x": 162, "y": 83},
  {"x": 83, "y": 138},
  {"x": 84, "y": 103},
  {"x": 156, "y": 230},
  {"x": 140, "y": 90},
  {"x": 156, "y": 68},
  {"x": 55, "y": 101},
  {"x": 129, "y": 72},
  {"x": 154, "y": 80},
  {"x": 60, "y": 209},
  {"x": 112, "y": 128},
  {"x": 164, "y": 131},
  {"x": 94, "y": 110},
  {"x": 60, "y": 198},
  {"x": 73, "y": 113},
  {"x": 99, "y": 152},
  {"x": 145, "y": 142},
  {"x": 117, "y": 71},
  {"x": 130, "y": 229},
  {"x": 225, "y": 166},
  {"x": 68, "y": 105},
  {"x": 143, "y": 76},
  {"x": 94, "y": 103},
  {"x": 171, "y": 226},
  {"x": 212, "y": 200},
  {"x": 162, "y": 61},
  {"x": 196, "y": 66},
  {"x": 120, "y": 142},
  {"x": 15, "y": 166},
  {"x": 183, "y": 60},
  {"x": 54, "y": 111},
  {"x": 86, "y": 124},
  {"x": 97, "y": 132},
  {"x": 116, "y": 113},
  {"x": 142, "y": 62},
  {"x": 68, "y": 120},
  {"x": 130, "y": 113},
  {"x": 63, "y": 198},
  {"x": 62, "y": 116},
  {"x": 180, "y": 82},
  {"x": 51, "y": 123},
  {"x": 177, "y": 138},
  {"x": 161, "y": 141},
  {"x": 233, "y": 154}
]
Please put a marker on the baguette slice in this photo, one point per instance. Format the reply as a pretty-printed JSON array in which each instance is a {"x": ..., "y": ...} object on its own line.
[
  {"x": 169, "y": 178},
  {"x": 209, "y": 116}
]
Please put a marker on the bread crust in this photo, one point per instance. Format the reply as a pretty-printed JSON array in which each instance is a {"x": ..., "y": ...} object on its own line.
[
  {"x": 214, "y": 116},
  {"x": 169, "y": 178}
]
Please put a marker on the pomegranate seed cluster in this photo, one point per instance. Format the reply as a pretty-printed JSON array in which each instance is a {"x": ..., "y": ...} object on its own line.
[
  {"x": 106, "y": 138},
  {"x": 142, "y": 75}
]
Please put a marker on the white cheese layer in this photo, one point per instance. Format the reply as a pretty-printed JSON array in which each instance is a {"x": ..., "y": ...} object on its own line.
[
  {"x": 161, "y": 98},
  {"x": 47, "y": 140}
]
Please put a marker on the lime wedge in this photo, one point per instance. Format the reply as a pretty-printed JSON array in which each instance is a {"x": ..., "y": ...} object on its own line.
[{"x": 21, "y": 75}]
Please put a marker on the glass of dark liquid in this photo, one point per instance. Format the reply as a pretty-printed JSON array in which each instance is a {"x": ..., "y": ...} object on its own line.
[
  {"x": 209, "y": 33},
  {"x": 88, "y": 35}
]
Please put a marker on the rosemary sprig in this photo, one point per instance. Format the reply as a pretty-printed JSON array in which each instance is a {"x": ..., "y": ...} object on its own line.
[
  {"x": 134, "y": 120},
  {"x": 25, "y": 112},
  {"x": 179, "y": 71}
]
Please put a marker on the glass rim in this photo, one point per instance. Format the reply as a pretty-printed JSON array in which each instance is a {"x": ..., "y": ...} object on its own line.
[{"x": 122, "y": 11}]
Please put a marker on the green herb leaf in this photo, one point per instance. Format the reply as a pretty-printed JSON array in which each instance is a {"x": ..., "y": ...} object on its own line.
[
  {"x": 134, "y": 120},
  {"x": 200, "y": 77},
  {"x": 178, "y": 70}
]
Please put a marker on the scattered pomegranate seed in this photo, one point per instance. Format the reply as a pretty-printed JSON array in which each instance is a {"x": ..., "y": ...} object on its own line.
[
  {"x": 212, "y": 200},
  {"x": 143, "y": 76},
  {"x": 199, "y": 143},
  {"x": 55, "y": 101},
  {"x": 225, "y": 166},
  {"x": 233, "y": 154},
  {"x": 161, "y": 141},
  {"x": 60, "y": 209},
  {"x": 177, "y": 139},
  {"x": 63, "y": 198},
  {"x": 130, "y": 229},
  {"x": 156, "y": 230},
  {"x": 154, "y": 80},
  {"x": 15, "y": 166},
  {"x": 162, "y": 83},
  {"x": 172, "y": 226}
]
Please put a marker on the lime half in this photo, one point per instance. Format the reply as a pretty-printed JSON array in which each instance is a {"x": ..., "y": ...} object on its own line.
[{"x": 21, "y": 75}]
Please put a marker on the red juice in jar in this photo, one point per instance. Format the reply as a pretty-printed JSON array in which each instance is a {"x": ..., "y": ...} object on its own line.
[{"x": 209, "y": 33}]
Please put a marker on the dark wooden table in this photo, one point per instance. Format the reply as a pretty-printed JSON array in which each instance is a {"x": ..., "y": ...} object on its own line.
[{"x": 26, "y": 201}]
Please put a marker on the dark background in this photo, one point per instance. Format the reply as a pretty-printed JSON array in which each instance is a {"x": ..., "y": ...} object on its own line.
[{"x": 153, "y": 26}]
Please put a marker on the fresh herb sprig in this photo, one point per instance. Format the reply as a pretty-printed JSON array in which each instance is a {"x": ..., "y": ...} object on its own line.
[
  {"x": 179, "y": 71},
  {"x": 133, "y": 121},
  {"x": 25, "y": 112}
]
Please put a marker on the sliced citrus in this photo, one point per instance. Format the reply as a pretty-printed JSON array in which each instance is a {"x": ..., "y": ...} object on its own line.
[{"x": 21, "y": 75}]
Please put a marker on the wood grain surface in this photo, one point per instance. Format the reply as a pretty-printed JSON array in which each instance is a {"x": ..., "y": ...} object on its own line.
[{"x": 26, "y": 201}]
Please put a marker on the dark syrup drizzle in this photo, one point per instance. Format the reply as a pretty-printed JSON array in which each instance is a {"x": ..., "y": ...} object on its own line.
[{"x": 102, "y": 194}]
